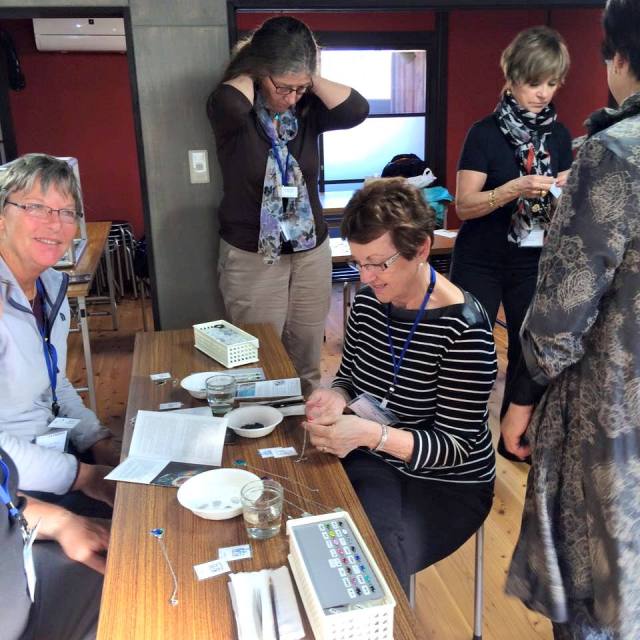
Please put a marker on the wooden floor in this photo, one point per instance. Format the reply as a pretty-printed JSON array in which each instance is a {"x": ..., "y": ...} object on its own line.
[{"x": 444, "y": 599}]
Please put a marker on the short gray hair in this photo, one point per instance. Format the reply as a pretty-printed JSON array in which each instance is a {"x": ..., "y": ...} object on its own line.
[{"x": 21, "y": 175}]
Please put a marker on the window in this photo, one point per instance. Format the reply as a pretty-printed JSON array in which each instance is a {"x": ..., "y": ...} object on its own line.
[
  {"x": 394, "y": 83},
  {"x": 398, "y": 74}
]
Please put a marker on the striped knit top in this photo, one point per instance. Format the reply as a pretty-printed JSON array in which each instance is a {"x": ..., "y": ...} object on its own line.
[{"x": 442, "y": 388}]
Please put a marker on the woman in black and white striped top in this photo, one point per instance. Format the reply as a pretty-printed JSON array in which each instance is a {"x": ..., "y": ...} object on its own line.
[{"x": 422, "y": 351}]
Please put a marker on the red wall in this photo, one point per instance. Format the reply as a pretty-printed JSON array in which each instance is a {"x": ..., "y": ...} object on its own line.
[
  {"x": 79, "y": 104},
  {"x": 586, "y": 87},
  {"x": 348, "y": 21}
]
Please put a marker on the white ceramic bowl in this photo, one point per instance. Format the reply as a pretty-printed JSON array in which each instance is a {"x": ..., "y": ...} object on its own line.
[
  {"x": 268, "y": 416},
  {"x": 215, "y": 494},
  {"x": 195, "y": 383}
]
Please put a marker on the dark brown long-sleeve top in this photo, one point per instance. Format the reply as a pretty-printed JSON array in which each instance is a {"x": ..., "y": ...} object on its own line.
[{"x": 242, "y": 152}]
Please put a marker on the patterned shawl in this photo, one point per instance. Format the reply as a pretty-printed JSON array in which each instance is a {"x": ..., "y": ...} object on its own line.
[
  {"x": 527, "y": 132},
  {"x": 296, "y": 222}
]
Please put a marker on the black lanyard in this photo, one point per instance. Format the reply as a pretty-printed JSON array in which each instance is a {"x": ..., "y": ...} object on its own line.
[
  {"x": 397, "y": 362},
  {"x": 49, "y": 350}
]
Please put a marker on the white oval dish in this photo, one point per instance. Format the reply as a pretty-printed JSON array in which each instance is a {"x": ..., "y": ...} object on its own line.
[
  {"x": 268, "y": 416},
  {"x": 195, "y": 383},
  {"x": 215, "y": 494}
]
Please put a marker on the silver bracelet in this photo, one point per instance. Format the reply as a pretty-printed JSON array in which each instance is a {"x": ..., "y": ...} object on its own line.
[{"x": 384, "y": 434}]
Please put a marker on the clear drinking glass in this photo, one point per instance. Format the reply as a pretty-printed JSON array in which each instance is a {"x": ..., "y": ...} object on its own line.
[
  {"x": 221, "y": 393},
  {"x": 262, "y": 508}
]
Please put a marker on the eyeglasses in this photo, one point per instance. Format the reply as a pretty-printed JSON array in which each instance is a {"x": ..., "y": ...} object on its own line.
[
  {"x": 375, "y": 267},
  {"x": 43, "y": 212},
  {"x": 282, "y": 90}
]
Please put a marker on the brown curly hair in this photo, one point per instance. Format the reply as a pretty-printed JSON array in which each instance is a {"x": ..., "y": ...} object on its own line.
[{"x": 389, "y": 205}]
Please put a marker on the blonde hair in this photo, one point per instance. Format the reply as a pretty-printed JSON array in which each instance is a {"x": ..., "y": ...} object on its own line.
[{"x": 534, "y": 55}]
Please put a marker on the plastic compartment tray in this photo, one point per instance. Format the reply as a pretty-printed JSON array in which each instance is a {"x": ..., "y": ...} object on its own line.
[
  {"x": 225, "y": 343},
  {"x": 370, "y": 623}
]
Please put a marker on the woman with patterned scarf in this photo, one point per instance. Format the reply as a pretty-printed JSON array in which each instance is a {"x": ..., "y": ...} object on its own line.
[
  {"x": 577, "y": 560},
  {"x": 510, "y": 162},
  {"x": 267, "y": 113}
]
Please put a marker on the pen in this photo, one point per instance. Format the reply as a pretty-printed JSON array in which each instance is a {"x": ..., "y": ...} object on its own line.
[{"x": 281, "y": 402}]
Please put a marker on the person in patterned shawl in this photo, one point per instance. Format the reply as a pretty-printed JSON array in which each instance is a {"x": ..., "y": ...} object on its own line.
[{"x": 577, "y": 560}]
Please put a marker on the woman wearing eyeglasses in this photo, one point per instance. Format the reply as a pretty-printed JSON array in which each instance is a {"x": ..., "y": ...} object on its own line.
[
  {"x": 417, "y": 369},
  {"x": 267, "y": 113},
  {"x": 40, "y": 204}
]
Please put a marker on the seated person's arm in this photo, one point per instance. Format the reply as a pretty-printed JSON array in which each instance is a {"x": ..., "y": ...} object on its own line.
[
  {"x": 82, "y": 539},
  {"x": 466, "y": 376},
  {"x": 349, "y": 432},
  {"x": 464, "y": 387},
  {"x": 40, "y": 469},
  {"x": 90, "y": 480},
  {"x": 326, "y": 404},
  {"x": 88, "y": 434}
]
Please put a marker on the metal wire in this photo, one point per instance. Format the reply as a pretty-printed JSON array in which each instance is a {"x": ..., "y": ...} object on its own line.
[
  {"x": 158, "y": 534},
  {"x": 240, "y": 462}
]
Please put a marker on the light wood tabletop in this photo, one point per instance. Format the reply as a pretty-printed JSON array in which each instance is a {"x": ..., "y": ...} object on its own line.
[
  {"x": 86, "y": 267},
  {"x": 138, "y": 583},
  {"x": 97, "y": 234}
]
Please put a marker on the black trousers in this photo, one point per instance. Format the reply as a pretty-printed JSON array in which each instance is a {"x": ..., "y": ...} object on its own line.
[
  {"x": 417, "y": 521},
  {"x": 508, "y": 277}
]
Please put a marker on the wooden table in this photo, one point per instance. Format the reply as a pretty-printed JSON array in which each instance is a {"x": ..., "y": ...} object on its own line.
[
  {"x": 443, "y": 243},
  {"x": 137, "y": 582},
  {"x": 97, "y": 237}
]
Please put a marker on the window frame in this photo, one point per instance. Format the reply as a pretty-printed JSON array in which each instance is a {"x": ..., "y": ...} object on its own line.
[{"x": 397, "y": 41}]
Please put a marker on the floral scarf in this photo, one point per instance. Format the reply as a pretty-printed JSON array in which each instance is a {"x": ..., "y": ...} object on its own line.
[
  {"x": 527, "y": 132},
  {"x": 296, "y": 222}
]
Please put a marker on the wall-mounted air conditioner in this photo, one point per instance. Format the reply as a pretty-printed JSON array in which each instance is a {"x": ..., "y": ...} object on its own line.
[{"x": 79, "y": 34}]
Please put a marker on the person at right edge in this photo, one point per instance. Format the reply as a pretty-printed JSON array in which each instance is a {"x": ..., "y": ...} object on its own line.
[
  {"x": 577, "y": 560},
  {"x": 509, "y": 161}
]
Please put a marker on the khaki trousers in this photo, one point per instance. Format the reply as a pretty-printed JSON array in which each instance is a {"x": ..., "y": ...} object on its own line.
[{"x": 292, "y": 295}]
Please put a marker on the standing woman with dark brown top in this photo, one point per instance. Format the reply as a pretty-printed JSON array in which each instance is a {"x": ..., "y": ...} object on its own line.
[{"x": 275, "y": 261}]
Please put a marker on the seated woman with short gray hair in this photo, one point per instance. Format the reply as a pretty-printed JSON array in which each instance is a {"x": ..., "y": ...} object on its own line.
[
  {"x": 40, "y": 205},
  {"x": 417, "y": 368}
]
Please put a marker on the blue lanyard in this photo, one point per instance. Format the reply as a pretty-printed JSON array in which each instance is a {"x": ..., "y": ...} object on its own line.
[
  {"x": 284, "y": 171},
  {"x": 14, "y": 512},
  {"x": 50, "y": 353},
  {"x": 397, "y": 362}
]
